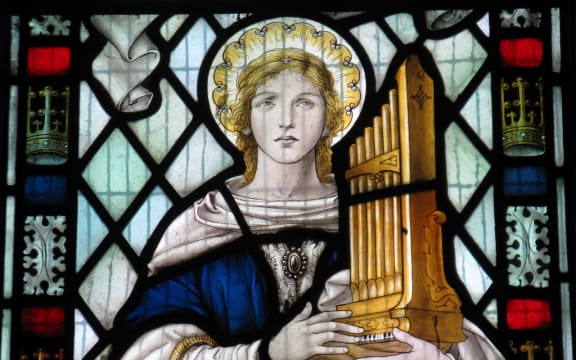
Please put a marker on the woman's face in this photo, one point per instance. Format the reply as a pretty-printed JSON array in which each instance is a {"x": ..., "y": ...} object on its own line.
[{"x": 287, "y": 117}]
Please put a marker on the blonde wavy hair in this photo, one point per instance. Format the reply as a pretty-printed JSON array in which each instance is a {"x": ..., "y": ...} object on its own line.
[
  {"x": 259, "y": 72},
  {"x": 261, "y": 53}
]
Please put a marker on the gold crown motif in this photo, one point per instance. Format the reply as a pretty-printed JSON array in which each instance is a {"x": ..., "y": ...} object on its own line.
[
  {"x": 522, "y": 103},
  {"x": 47, "y": 125}
]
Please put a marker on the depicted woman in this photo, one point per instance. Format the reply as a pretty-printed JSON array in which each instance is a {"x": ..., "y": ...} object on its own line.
[{"x": 255, "y": 269}]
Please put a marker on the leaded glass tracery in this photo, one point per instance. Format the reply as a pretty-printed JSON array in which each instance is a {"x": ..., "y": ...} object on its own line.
[{"x": 142, "y": 145}]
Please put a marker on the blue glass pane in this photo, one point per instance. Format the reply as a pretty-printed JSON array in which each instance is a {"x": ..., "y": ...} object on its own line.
[
  {"x": 529, "y": 180},
  {"x": 45, "y": 190}
]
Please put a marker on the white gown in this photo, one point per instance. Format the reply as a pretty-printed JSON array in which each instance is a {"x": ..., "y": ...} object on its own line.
[{"x": 210, "y": 224}]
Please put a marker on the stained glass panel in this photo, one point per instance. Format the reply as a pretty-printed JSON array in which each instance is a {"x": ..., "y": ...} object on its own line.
[{"x": 154, "y": 208}]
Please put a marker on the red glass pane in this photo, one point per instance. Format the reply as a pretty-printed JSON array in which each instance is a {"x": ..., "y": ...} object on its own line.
[
  {"x": 524, "y": 52},
  {"x": 524, "y": 314},
  {"x": 48, "y": 61},
  {"x": 45, "y": 321}
]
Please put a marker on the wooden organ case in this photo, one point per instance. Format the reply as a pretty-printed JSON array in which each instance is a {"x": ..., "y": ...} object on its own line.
[{"x": 396, "y": 261}]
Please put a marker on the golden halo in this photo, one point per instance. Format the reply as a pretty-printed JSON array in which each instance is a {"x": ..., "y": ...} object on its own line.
[{"x": 295, "y": 33}]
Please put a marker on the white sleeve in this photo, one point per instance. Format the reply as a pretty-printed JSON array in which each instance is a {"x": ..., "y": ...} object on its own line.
[
  {"x": 160, "y": 342},
  {"x": 477, "y": 346}
]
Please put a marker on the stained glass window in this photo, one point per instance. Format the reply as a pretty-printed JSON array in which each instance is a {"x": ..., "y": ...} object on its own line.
[{"x": 178, "y": 180}]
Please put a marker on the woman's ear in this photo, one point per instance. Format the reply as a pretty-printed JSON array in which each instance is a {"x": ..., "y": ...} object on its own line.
[
  {"x": 325, "y": 132},
  {"x": 246, "y": 131}
]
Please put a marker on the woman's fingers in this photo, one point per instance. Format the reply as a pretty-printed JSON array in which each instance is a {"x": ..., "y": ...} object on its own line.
[
  {"x": 304, "y": 314},
  {"x": 326, "y": 350},
  {"x": 334, "y": 326},
  {"x": 329, "y": 315},
  {"x": 324, "y": 337}
]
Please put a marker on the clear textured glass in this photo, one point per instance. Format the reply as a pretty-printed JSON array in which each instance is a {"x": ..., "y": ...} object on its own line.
[
  {"x": 403, "y": 26},
  {"x": 5, "y": 333},
  {"x": 555, "y": 40},
  {"x": 458, "y": 59},
  {"x": 563, "y": 254},
  {"x": 470, "y": 272},
  {"x": 91, "y": 118},
  {"x": 226, "y": 20},
  {"x": 12, "y": 136},
  {"x": 378, "y": 47},
  {"x": 199, "y": 160},
  {"x": 558, "y": 126},
  {"x": 108, "y": 285},
  {"x": 159, "y": 132},
  {"x": 116, "y": 174},
  {"x": 482, "y": 226},
  {"x": 187, "y": 57},
  {"x": 566, "y": 321},
  {"x": 84, "y": 336},
  {"x": 491, "y": 313},
  {"x": 474, "y": 111},
  {"x": 465, "y": 167},
  {"x": 172, "y": 25},
  {"x": 9, "y": 248},
  {"x": 144, "y": 222},
  {"x": 14, "y": 44},
  {"x": 484, "y": 24},
  {"x": 90, "y": 231}
]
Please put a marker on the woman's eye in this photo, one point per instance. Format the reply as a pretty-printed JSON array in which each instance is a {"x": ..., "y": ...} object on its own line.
[
  {"x": 264, "y": 104},
  {"x": 305, "y": 103}
]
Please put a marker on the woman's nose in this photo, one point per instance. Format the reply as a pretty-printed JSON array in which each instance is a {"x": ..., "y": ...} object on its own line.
[{"x": 286, "y": 117}]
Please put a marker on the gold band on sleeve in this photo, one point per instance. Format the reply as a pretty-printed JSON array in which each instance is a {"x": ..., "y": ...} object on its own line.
[{"x": 185, "y": 344}]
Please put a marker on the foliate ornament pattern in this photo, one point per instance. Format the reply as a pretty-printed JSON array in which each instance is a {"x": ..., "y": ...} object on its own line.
[
  {"x": 293, "y": 279},
  {"x": 51, "y": 25},
  {"x": 520, "y": 18},
  {"x": 527, "y": 246},
  {"x": 44, "y": 255}
]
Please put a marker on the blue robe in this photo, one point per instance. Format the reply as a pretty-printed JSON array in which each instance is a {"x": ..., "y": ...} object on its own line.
[{"x": 233, "y": 297}]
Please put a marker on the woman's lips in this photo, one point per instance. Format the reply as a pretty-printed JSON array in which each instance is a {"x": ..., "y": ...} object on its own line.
[{"x": 286, "y": 139}]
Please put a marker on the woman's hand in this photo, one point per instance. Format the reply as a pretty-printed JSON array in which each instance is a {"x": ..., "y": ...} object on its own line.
[
  {"x": 306, "y": 335},
  {"x": 421, "y": 349}
]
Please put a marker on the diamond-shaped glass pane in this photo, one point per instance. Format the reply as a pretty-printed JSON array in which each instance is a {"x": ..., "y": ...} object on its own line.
[
  {"x": 481, "y": 226},
  {"x": 378, "y": 47},
  {"x": 5, "y": 340},
  {"x": 90, "y": 231},
  {"x": 465, "y": 167},
  {"x": 91, "y": 120},
  {"x": 189, "y": 54},
  {"x": 84, "y": 336},
  {"x": 403, "y": 26},
  {"x": 458, "y": 58},
  {"x": 226, "y": 20},
  {"x": 199, "y": 160},
  {"x": 472, "y": 275},
  {"x": 146, "y": 218},
  {"x": 159, "y": 131},
  {"x": 108, "y": 285},
  {"x": 474, "y": 111},
  {"x": 491, "y": 313},
  {"x": 172, "y": 25},
  {"x": 116, "y": 174}
]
